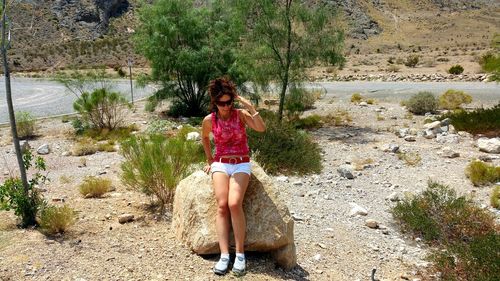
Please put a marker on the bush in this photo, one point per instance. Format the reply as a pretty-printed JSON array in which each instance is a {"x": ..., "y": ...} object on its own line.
[
  {"x": 298, "y": 101},
  {"x": 284, "y": 149},
  {"x": 495, "y": 197},
  {"x": 13, "y": 196},
  {"x": 310, "y": 122},
  {"x": 410, "y": 158},
  {"x": 55, "y": 220},
  {"x": 356, "y": 98},
  {"x": 25, "y": 123},
  {"x": 439, "y": 215},
  {"x": 490, "y": 62},
  {"x": 422, "y": 103},
  {"x": 412, "y": 61},
  {"x": 101, "y": 109},
  {"x": 456, "y": 69},
  {"x": 481, "y": 173},
  {"x": 452, "y": 99},
  {"x": 155, "y": 164},
  {"x": 78, "y": 126},
  {"x": 479, "y": 121},
  {"x": 94, "y": 187}
]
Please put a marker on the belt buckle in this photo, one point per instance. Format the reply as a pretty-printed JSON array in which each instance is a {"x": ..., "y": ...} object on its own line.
[{"x": 231, "y": 160}]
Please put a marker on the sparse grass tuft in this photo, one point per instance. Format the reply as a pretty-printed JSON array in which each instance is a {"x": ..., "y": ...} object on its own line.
[
  {"x": 481, "y": 173},
  {"x": 410, "y": 158},
  {"x": 25, "y": 123},
  {"x": 94, "y": 187},
  {"x": 356, "y": 98},
  {"x": 56, "y": 220},
  {"x": 495, "y": 197},
  {"x": 361, "y": 163}
]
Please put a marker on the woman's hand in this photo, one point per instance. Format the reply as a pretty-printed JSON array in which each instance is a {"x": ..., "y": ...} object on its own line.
[
  {"x": 246, "y": 103},
  {"x": 206, "y": 169}
]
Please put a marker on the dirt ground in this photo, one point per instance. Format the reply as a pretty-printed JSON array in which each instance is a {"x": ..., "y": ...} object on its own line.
[{"x": 331, "y": 244}]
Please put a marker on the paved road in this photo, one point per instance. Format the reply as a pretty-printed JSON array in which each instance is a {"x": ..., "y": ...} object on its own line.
[{"x": 46, "y": 98}]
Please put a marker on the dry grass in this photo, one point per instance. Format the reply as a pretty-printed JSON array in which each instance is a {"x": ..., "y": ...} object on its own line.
[
  {"x": 481, "y": 173},
  {"x": 93, "y": 187},
  {"x": 495, "y": 197},
  {"x": 55, "y": 220},
  {"x": 410, "y": 158},
  {"x": 361, "y": 163}
]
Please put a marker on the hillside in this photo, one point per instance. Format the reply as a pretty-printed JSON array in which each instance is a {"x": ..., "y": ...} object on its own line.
[{"x": 57, "y": 34}]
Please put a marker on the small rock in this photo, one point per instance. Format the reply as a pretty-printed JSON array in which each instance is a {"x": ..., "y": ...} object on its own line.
[
  {"x": 363, "y": 103},
  {"x": 282, "y": 178},
  {"x": 346, "y": 171},
  {"x": 357, "y": 210},
  {"x": 57, "y": 199},
  {"x": 448, "y": 153},
  {"x": 66, "y": 153},
  {"x": 451, "y": 138},
  {"x": 489, "y": 145},
  {"x": 371, "y": 223},
  {"x": 393, "y": 197},
  {"x": 297, "y": 183},
  {"x": 433, "y": 125},
  {"x": 43, "y": 149},
  {"x": 391, "y": 148},
  {"x": 125, "y": 218},
  {"x": 410, "y": 138}
]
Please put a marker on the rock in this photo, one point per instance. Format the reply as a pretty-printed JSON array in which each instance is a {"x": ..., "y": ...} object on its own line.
[
  {"x": 446, "y": 122},
  {"x": 357, "y": 210},
  {"x": 433, "y": 125},
  {"x": 269, "y": 223},
  {"x": 448, "y": 153},
  {"x": 488, "y": 158},
  {"x": 363, "y": 103},
  {"x": 489, "y": 145},
  {"x": 125, "y": 218},
  {"x": 66, "y": 153},
  {"x": 392, "y": 147},
  {"x": 371, "y": 223},
  {"x": 393, "y": 197},
  {"x": 403, "y": 132},
  {"x": 410, "y": 138},
  {"x": 429, "y": 134},
  {"x": 194, "y": 136},
  {"x": 345, "y": 171},
  {"x": 25, "y": 146},
  {"x": 43, "y": 149},
  {"x": 451, "y": 138},
  {"x": 451, "y": 129},
  {"x": 282, "y": 178}
]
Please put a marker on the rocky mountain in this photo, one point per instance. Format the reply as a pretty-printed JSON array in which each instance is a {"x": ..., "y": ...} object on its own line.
[{"x": 54, "y": 34}]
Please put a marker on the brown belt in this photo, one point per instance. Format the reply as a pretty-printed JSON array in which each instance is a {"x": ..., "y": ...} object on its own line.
[{"x": 233, "y": 160}]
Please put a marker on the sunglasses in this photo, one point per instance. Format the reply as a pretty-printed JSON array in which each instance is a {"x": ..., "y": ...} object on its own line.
[{"x": 224, "y": 103}]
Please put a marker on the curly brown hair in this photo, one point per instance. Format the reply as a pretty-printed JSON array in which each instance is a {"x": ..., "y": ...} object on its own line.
[{"x": 219, "y": 87}]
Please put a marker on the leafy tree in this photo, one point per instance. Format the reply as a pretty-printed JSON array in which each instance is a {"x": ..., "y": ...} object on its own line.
[
  {"x": 187, "y": 46},
  {"x": 283, "y": 38}
]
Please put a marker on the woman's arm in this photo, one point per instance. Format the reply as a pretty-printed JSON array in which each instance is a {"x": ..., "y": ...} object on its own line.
[
  {"x": 206, "y": 128},
  {"x": 250, "y": 116}
]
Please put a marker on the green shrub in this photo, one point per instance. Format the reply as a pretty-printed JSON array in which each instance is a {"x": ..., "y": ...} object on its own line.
[
  {"x": 12, "y": 195},
  {"x": 412, "y": 61},
  {"x": 456, "y": 69},
  {"x": 481, "y": 173},
  {"x": 452, "y": 99},
  {"x": 155, "y": 164},
  {"x": 495, "y": 197},
  {"x": 159, "y": 126},
  {"x": 298, "y": 101},
  {"x": 356, "y": 98},
  {"x": 116, "y": 134},
  {"x": 78, "y": 126},
  {"x": 284, "y": 149},
  {"x": 25, "y": 123},
  {"x": 439, "y": 215},
  {"x": 102, "y": 109},
  {"x": 55, "y": 220},
  {"x": 490, "y": 62},
  {"x": 310, "y": 122},
  {"x": 94, "y": 187},
  {"x": 422, "y": 103},
  {"x": 479, "y": 121}
]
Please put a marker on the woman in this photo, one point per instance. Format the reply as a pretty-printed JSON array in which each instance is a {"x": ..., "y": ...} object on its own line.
[{"x": 230, "y": 166}]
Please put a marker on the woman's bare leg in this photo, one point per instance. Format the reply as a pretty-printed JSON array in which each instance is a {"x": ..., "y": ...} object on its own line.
[
  {"x": 237, "y": 186},
  {"x": 221, "y": 188}
]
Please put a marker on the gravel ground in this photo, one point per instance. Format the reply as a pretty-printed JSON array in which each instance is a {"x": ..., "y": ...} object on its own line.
[{"x": 331, "y": 244}]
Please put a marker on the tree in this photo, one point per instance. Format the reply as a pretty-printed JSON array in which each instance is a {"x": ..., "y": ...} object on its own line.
[
  {"x": 283, "y": 38},
  {"x": 5, "y": 44},
  {"x": 187, "y": 45}
]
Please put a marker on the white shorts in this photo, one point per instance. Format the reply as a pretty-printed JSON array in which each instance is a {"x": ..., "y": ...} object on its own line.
[{"x": 231, "y": 169}]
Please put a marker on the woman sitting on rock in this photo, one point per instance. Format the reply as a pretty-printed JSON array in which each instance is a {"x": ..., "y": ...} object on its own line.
[{"x": 230, "y": 166}]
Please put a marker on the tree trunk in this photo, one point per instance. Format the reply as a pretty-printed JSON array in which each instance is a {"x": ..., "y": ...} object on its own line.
[
  {"x": 15, "y": 138},
  {"x": 288, "y": 58}
]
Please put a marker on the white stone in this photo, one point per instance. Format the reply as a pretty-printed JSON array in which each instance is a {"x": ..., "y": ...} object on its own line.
[
  {"x": 194, "y": 136},
  {"x": 357, "y": 210},
  {"x": 43, "y": 149},
  {"x": 433, "y": 125},
  {"x": 371, "y": 223},
  {"x": 489, "y": 145}
]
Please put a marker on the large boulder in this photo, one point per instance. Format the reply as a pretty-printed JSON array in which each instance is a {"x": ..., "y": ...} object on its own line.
[{"x": 269, "y": 223}]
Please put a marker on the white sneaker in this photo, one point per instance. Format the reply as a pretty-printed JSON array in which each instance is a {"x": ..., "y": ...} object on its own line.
[
  {"x": 239, "y": 266},
  {"x": 221, "y": 266}
]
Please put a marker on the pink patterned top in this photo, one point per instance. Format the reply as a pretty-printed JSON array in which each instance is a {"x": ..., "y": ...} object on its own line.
[{"x": 229, "y": 135}]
